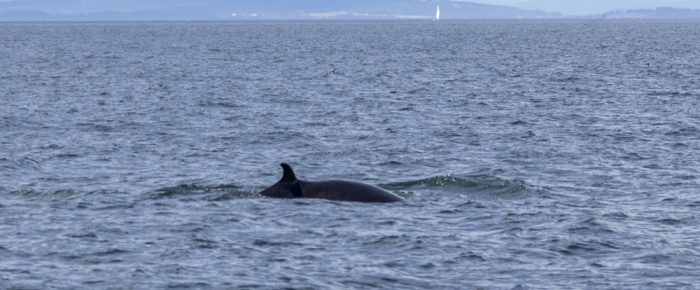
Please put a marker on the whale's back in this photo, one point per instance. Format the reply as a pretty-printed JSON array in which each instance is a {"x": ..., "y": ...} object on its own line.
[{"x": 347, "y": 191}]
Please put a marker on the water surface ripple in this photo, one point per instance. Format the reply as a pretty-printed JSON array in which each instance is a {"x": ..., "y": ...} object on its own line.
[{"x": 531, "y": 154}]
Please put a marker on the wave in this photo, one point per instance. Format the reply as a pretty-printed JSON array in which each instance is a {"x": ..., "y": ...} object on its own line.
[
  {"x": 182, "y": 191},
  {"x": 60, "y": 194},
  {"x": 10, "y": 164},
  {"x": 193, "y": 190},
  {"x": 485, "y": 185}
]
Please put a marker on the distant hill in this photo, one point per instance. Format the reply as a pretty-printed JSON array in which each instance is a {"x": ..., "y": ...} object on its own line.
[
  {"x": 119, "y": 10},
  {"x": 661, "y": 13},
  {"x": 39, "y": 10}
]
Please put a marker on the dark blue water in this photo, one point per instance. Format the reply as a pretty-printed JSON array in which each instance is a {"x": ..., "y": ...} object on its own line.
[{"x": 532, "y": 155}]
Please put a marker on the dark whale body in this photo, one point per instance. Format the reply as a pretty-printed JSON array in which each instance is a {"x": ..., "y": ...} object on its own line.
[{"x": 291, "y": 187}]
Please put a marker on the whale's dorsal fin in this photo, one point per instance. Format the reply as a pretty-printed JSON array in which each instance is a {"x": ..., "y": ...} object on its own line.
[
  {"x": 288, "y": 173},
  {"x": 290, "y": 181}
]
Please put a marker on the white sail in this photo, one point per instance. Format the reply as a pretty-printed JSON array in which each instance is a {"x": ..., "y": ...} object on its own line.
[{"x": 437, "y": 13}]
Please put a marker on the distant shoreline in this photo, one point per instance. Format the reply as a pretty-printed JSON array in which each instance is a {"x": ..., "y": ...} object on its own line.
[
  {"x": 421, "y": 11},
  {"x": 580, "y": 19}
]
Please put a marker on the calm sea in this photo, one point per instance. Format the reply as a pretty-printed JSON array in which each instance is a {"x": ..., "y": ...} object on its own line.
[{"x": 531, "y": 154}]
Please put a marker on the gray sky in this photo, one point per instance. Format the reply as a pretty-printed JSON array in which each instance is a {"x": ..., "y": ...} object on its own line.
[{"x": 591, "y": 6}]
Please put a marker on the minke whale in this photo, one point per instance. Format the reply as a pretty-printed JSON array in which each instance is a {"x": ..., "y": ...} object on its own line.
[{"x": 291, "y": 187}]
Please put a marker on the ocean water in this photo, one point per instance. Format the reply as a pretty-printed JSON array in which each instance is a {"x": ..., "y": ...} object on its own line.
[{"x": 531, "y": 154}]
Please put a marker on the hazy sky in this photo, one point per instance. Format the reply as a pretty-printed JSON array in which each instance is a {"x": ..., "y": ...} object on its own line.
[{"x": 591, "y": 6}]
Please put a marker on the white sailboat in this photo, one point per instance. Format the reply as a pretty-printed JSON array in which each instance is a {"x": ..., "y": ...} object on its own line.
[{"x": 437, "y": 13}]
